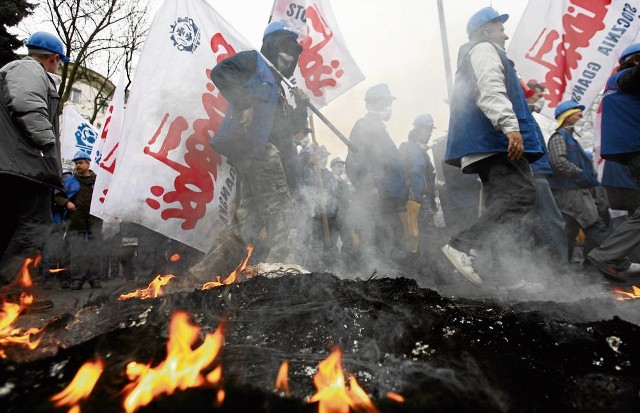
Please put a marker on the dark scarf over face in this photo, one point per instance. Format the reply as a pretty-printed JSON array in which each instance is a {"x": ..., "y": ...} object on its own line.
[{"x": 281, "y": 42}]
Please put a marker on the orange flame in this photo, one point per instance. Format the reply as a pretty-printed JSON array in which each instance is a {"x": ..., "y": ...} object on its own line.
[
  {"x": 282, "y": 380},
  {"x": 175, "y": 257},
  {"x": 395, "y": 397},
  {"x": 11, "y": 311},
  {"x": 626, "y": 295},
  {"x": 55, "y": 270},
  {"x": 80, "y": 387},
  {"x": 232, "y": 277},
  {"x": 154, "y": 290},
  {"x": 180, "y": 370},
  {"x": 333, "y": 396}
]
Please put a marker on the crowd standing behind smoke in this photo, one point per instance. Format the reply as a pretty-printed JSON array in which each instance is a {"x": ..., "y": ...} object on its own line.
[{"x": 509, "y": 204}]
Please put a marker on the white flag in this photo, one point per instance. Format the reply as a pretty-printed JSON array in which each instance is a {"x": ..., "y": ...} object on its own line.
[
  {"x": 325, "y": 68},
  {"x": 76, "y": 134},
  {"x": 168, "y": 178},
  {"x": 571, "y": 46},
  {"x": 105, "y": 150}
]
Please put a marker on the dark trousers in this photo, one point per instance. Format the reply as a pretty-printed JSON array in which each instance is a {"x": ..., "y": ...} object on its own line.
[
  {"x": 510, "y": 195},
  {"x": 24, "y": 224},
  {"x": 506, "y": 224},
  {"x": 626, "y": 236}
]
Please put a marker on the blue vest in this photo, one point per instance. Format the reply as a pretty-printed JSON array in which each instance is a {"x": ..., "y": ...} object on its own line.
[
  {"x": 617, "y": 175},
  {"x": 577, "y": 156},
  {"x": 470, "y": 131},
  {"x": 231, "y": 139},
  {"x": 620, "y": 121},
  {"x": 542, "y": 166},
  {"x": 415, "y": 167}
]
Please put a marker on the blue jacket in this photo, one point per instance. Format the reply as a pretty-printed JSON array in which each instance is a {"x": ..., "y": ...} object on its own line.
[
  {"x": 542, "y": 166},
  {"x": 417, "y": 168},
  {"x": 376, "y": 163},
  {"x": 470, "y": 131},
  {"x": 261, "y": 92},
  {"x": 577, "y": 156},
  {"x": 620, "y": 121},
  {"x": 617, "y": 175}
]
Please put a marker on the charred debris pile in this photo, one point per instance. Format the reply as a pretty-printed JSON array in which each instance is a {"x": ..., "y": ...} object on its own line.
[{"x": 440, "y": 354}]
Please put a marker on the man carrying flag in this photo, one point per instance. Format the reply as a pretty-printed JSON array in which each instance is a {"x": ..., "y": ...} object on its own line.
[{"x": 257, "y": 137}]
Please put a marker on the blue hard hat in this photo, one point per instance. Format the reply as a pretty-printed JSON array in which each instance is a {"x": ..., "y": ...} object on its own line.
[
  {"x": 482, "y": 17},
  {"x": 47, "y": 41},
  {"x": 81, "y": 155},
  {"x": 425, "y": 120},
  {"x": 336, "y": 161},
  {"x": 628, "y": 51},
  {"x": 565, "y": 106},
  {"x": 380, "y": 91},
  {"x": 279, "y": 26}
]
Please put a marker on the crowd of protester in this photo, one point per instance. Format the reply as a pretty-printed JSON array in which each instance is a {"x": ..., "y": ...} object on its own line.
[{"x": 486, "y": 200}]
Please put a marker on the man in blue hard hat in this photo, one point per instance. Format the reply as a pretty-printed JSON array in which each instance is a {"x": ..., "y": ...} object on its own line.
[
  {"x": 376, "y": 172},
  {"x": 574, "y": 179},
  {"x": 257, "y": 136},
  {"x": 620, "y": 138},
  {"x": 30, "y": 164},
  {"x": 84, "y": 232},
  {"x": 492, "y": 133}
]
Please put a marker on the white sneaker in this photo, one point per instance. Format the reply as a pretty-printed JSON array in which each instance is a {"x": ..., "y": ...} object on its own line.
[
  {"x": 632, "y": 271},
  {"x": 463, "y": 264},
  {"x": 523, "y": 287}
]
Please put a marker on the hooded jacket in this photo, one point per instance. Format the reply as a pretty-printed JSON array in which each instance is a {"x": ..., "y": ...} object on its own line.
[{"x": 29, "y": 123}]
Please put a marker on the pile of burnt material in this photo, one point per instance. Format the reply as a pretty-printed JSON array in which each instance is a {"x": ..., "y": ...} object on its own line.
[{"x": 432, "y": 353}]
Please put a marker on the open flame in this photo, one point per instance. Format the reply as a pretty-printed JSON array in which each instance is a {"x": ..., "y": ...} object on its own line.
[
  {"x": 333, "y": 395},
  {"x": 80, "y": 387},
  {"x": 11, "y": 311},
  {"x": 181, "y": 369},
  {"x": 627, "y": 295},
  {"x": 175, "y": 257},
  {"x": 232, "y": 277},
  {"x": 282, "y": 380},
  {"x": 154, "y": 290}
]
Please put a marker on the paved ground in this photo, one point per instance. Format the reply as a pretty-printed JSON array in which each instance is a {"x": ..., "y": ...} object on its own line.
[{"x": 69, "y": 301}]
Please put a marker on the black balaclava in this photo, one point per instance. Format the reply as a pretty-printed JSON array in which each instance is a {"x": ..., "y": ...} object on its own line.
[{"x": 281, "y": 41}]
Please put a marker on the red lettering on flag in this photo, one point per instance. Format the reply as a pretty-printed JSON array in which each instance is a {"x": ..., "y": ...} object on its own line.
[
  {"x": 194, "y": 187},
  {"x": 317, "y": 75},
  {"x": 582, "y": 20}
]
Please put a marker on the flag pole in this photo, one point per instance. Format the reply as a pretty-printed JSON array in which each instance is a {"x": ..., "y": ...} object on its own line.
[
  {"x": 445, "y": 49},
  {"x": 312, "y": 107}
]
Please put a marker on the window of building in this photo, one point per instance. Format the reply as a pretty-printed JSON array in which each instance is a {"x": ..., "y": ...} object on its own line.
[{"x": 75, "y": 95}]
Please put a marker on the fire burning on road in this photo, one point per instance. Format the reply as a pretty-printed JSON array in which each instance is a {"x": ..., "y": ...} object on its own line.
[
  {"x": 234, "y": 274},
  {"x": 181, "y": 369},
  {"x": 11, "y": 311},
  {"x": 627, "y": 295},
  {"x": 80, "y": 387},
  {"x": 153, "y": 291}
]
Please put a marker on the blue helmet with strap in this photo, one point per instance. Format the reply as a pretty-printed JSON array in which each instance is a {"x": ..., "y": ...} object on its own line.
[{"x": 46, "y": 41}]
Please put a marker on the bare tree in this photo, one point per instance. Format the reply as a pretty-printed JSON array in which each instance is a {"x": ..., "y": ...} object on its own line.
[{"x": 100, "y": 36}]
